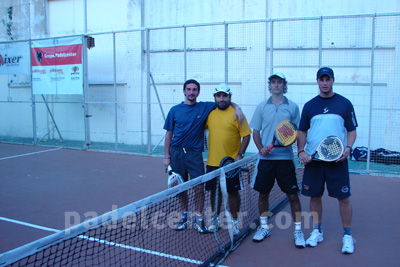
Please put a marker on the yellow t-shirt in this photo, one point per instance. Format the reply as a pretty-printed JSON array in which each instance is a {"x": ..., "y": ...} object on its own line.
[{"x": 225, "y": 135}]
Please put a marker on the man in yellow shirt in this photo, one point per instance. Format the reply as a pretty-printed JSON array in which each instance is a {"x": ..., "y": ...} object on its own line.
[{"x": 227, "y": 138}]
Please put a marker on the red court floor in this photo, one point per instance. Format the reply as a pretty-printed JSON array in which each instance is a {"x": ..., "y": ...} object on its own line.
[{"x": 39, "y": 185}]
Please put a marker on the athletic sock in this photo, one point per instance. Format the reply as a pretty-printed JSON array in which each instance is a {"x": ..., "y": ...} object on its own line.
[
  {"x": 347, "y": 231},
  {"x": 318, "y": 226},
  {"x": 264, "y": 222},
  {"x": 297, "y": 226},
  {"x": 197, "y": 217}
]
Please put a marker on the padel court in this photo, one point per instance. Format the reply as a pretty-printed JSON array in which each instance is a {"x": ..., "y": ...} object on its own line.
[{"x": 45, "y": 190}]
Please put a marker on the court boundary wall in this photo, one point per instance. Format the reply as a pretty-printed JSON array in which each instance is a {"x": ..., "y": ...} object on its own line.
[{"x": 133, "y": 77}]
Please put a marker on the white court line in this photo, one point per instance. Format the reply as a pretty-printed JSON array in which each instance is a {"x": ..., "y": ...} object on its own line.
[
  {"x": 108, "y": 242},
  {"x": 28, "y": 154},
  {"x": 30, "y": 225}
]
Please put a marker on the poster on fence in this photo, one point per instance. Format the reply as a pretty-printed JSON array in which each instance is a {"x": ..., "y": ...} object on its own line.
[
  {"x": 14, "y": 59},
  {"x": 57, "y": 66}
]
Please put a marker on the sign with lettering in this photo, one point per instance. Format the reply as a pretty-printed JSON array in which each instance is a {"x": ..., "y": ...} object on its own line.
[
  {"x": 14, "y": 59},
  {"x": 57, "y": 66}
]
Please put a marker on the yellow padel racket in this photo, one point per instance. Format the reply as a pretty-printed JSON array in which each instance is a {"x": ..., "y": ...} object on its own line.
[
  {"x": 330, "y": 149},
  {"x": 285, "y": 134}
]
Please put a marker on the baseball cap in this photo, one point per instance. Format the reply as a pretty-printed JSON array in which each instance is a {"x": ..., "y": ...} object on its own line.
[
  {"x": 325, "y": 71},
  {"x": 224, "y": 88},
  {"x": 278, "y": 74}
]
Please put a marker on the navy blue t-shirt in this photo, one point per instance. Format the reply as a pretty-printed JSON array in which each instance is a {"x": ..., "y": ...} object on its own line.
[
  {"x": 187, "y": 124},
  {"x": 323, "y": 117}
]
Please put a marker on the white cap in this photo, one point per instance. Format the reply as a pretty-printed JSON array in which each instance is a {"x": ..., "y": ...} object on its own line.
[
  {"x": 222, "y": 87},
  {"x": 278, "y": 74}
]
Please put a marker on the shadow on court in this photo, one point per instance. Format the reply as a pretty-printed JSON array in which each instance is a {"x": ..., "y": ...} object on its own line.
[
  {"x": 56, "y": 188},
  {"x": 376, "y": 220},
  {"x": 45, "y": 189}
]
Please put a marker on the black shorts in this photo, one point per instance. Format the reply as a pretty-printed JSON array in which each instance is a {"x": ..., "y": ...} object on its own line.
[
  {"x": 335, "y": 175},
  {"x": 233, "y": 184},
  {"x": 187, "y": 162},
  {"x": 281, "y": 170}
]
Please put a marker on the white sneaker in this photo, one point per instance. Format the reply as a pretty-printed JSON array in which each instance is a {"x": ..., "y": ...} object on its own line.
[
  {"x": 348, "y": 244},
  {"x": 315, "y": 238},
  {"x": 299, "y": 239},
  {"x": 235, "y": 227},
  {"x": 261, "y": 234},
  {"x": 199, "y": 225},
  {"x": 214, "y": 226}
]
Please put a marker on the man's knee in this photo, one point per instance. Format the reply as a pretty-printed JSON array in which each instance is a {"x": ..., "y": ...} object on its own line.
[
  {"x": 264, "y": 196},
  {"x": 344, "y": 201},
  {"x": 293, "y": 197}
]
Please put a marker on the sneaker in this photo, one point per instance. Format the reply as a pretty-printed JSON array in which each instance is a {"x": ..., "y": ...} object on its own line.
[
  {"x": 182, "y": 224},
  {"x": 261, "y": 234},
  {"x": 315, "y": 238},
  {"x": 235, "y": 227},
  {"x": 200, "y": 226},
  {"x": 214, "y": 225},
  {"x": 299, "y": 241},
  {"x": 348, "y": 244}
]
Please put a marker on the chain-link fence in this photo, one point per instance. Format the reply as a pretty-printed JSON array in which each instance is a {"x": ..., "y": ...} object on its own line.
[{"x": 132, "y": 79}]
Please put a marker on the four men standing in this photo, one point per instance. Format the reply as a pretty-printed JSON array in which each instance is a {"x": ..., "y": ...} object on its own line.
[{"x": 325, "y": 115}]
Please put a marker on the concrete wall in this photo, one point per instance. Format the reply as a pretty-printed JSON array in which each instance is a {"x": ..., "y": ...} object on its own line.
[
  {"x": 49, "y": 18},
  {"x": 249, "y": 64},
  {"x": 67, "y": 16}
]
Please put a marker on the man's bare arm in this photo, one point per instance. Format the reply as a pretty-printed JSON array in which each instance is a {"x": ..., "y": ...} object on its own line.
[
  {"x": 167, "y": 145},
  {"x": 243, "y": 147},
  {"x": 238, "y": 113}
]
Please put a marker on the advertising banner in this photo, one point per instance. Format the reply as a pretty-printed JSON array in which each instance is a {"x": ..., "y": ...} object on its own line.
[
  {"x": 57, "y": 66},
  {"x": 14, "y": 59}
]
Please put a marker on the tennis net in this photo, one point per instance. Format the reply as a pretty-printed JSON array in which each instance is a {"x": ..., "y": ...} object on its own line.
[{"x": 142, "y": 233}]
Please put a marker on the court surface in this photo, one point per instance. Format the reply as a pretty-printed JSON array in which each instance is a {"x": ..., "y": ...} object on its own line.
[{"x": 43, "y": 190}]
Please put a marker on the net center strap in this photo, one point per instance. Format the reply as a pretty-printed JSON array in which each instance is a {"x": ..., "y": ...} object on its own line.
[{"x": 224, "y": 193}]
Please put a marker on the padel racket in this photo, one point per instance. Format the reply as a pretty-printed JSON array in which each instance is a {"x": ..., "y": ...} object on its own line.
[
  {"x": 230, "y": 174},
  {"x": 226, "y": 161},
  {"x": 285, "y": 134},
  {"x": 174, "y": 178},
  {"x": 330, "y": 149}
]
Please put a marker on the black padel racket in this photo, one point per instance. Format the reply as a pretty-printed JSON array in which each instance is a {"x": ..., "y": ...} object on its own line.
[{"x": 228, "y": 160}]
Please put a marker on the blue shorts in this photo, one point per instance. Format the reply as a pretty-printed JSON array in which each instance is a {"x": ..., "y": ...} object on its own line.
[
  {"x": 187, "y": 162},
  {"x": 232, "y": 184},
  {"x": 335, "y": 175},
  {"x": 281, "y": 170}
]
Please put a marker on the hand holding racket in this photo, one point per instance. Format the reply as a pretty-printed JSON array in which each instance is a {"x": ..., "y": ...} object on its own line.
[
  {"x": 330, "y": 149},
  {"x": 174, "y": 178},
  {"x": 285, "y": 135}
]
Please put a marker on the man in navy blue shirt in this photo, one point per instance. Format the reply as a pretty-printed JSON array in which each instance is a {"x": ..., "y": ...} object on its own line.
[
  {"x": 184, "y": 142},
  {"x": 327, "y": 114}
]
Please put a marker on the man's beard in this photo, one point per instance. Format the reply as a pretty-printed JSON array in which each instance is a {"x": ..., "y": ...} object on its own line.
[
  {"x": 191, "y": 97},
  {"x": 223, "y": 105}
]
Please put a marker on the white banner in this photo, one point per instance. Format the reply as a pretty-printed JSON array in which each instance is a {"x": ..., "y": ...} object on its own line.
[
  {"x": 57, "y": 66},
  {"x": 14, "y": 59}
]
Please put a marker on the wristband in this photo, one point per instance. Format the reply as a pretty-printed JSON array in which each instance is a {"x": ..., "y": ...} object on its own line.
[
  {"x": 298, "y": 154},
  {"x": 351, "y": 149}
]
